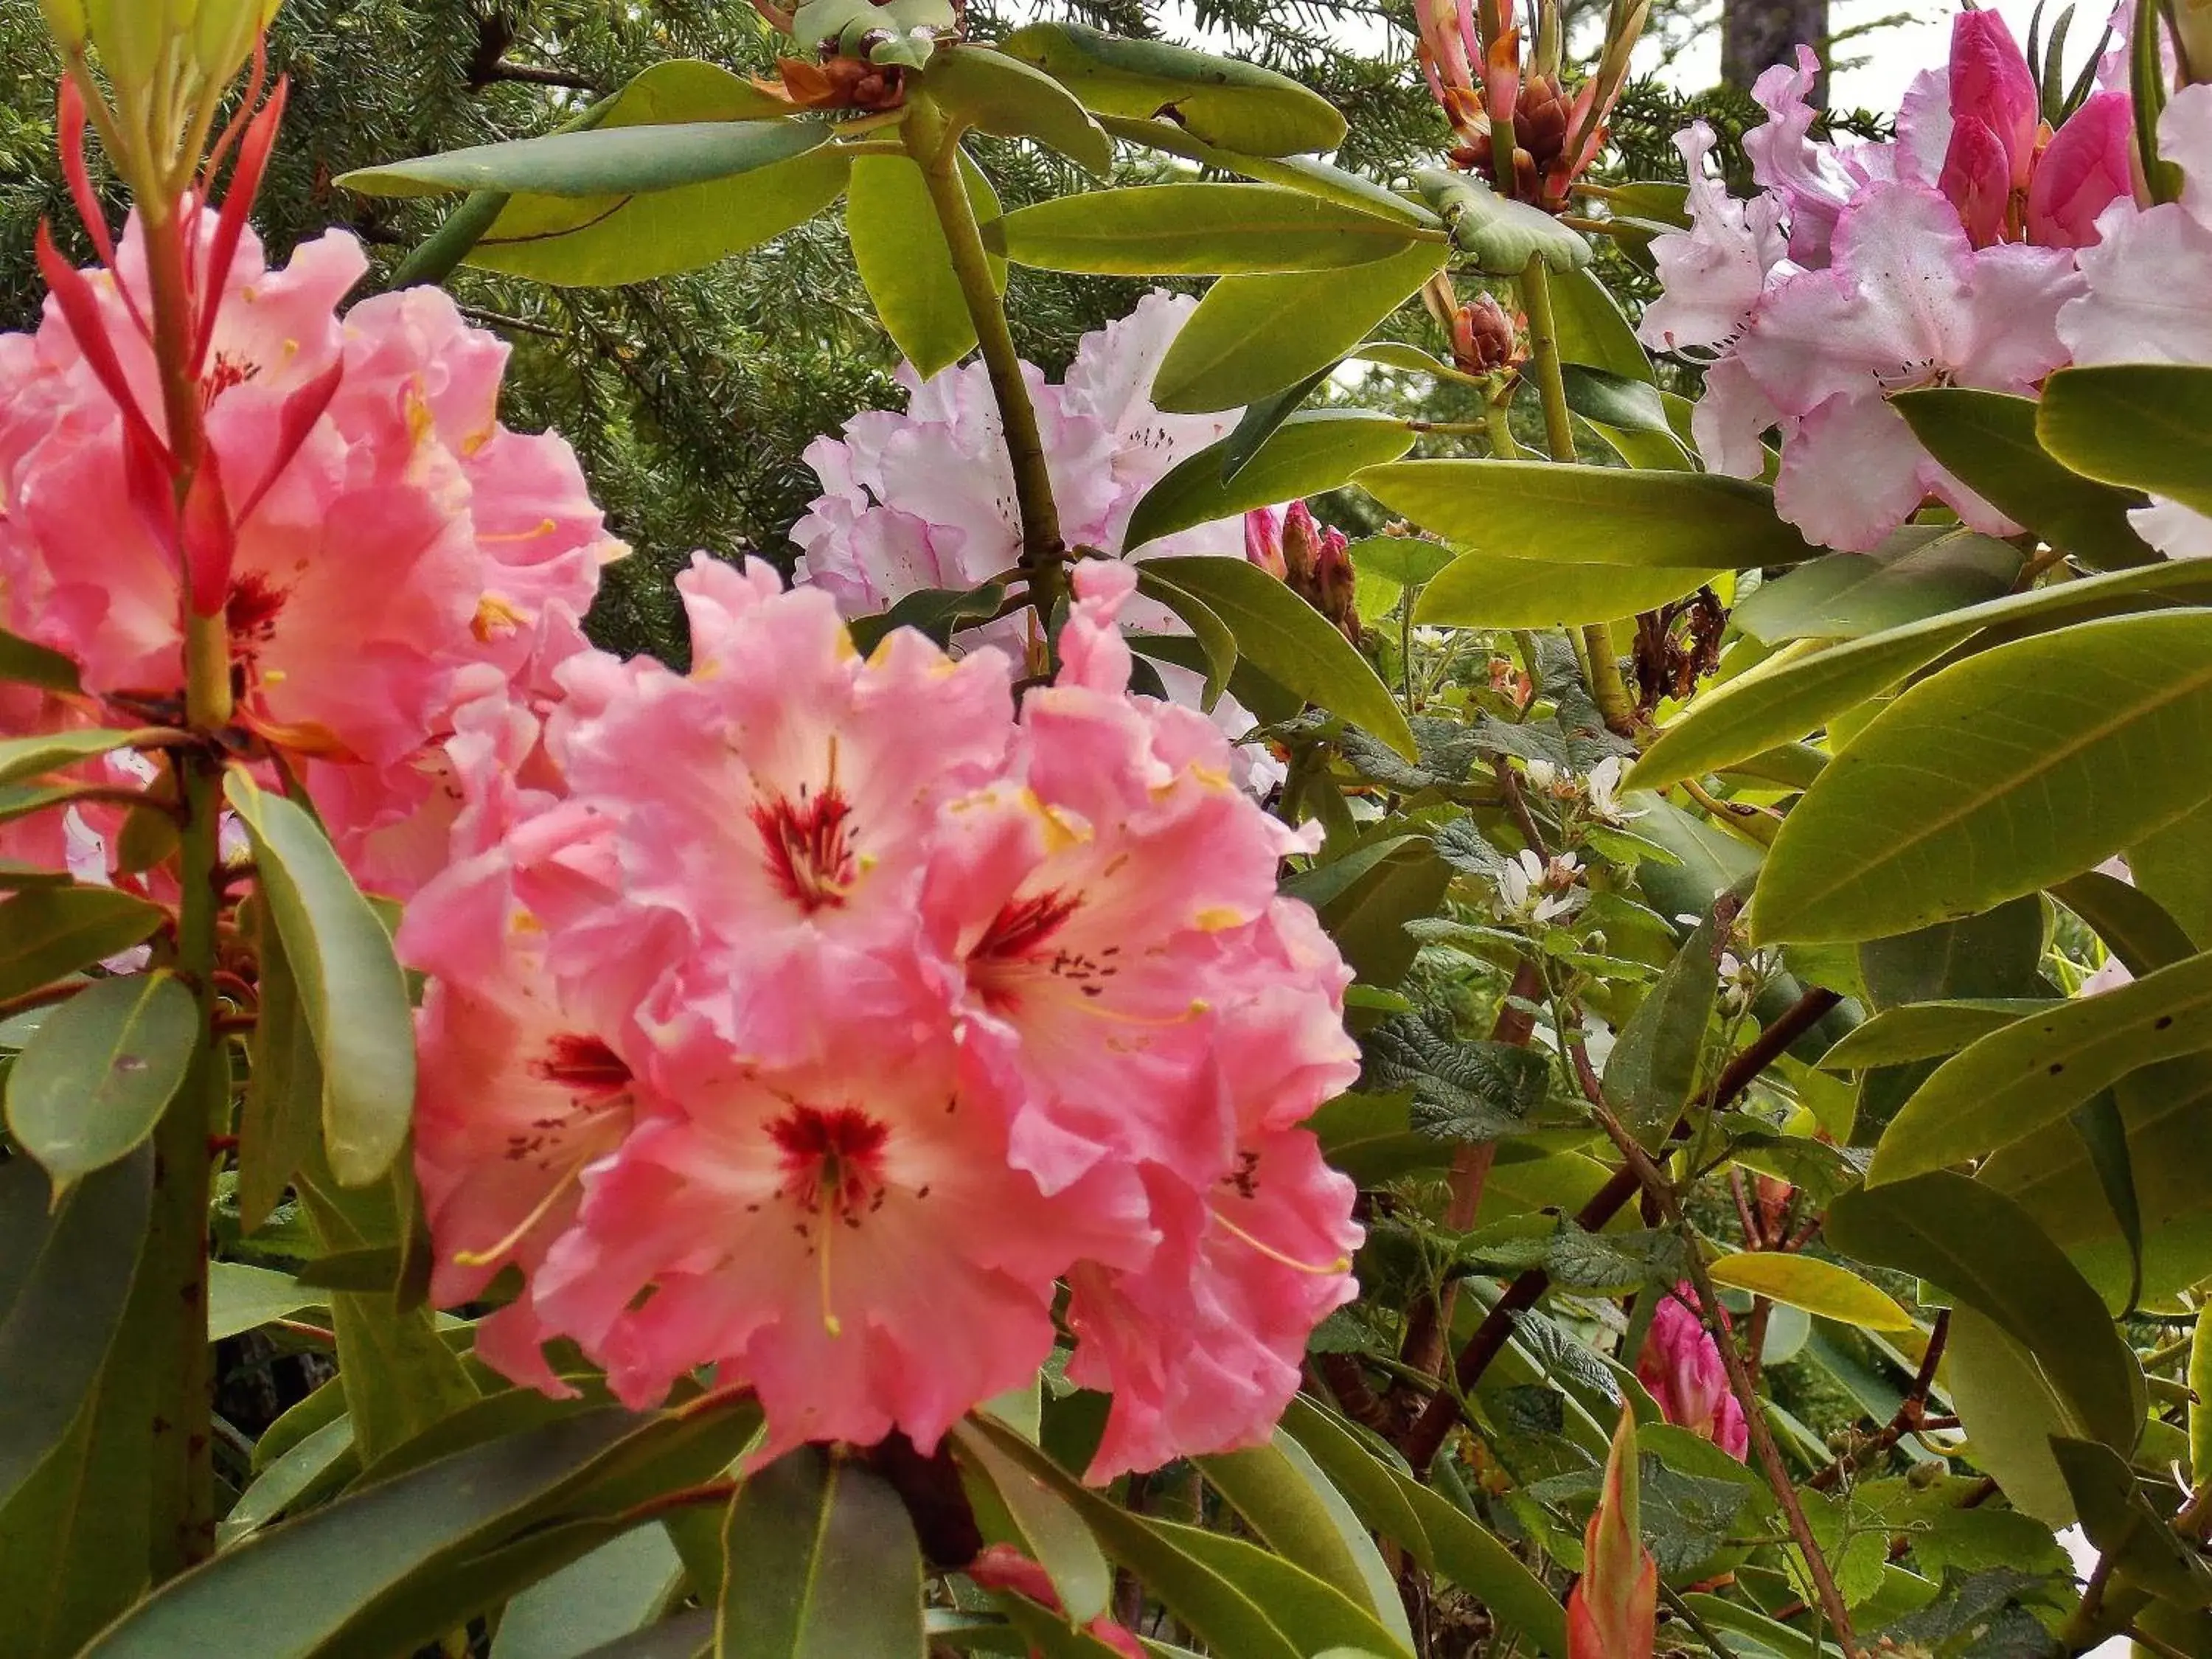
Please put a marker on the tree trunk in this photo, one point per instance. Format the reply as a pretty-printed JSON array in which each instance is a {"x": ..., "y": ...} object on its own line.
[{"x": 1757, "y": 33}]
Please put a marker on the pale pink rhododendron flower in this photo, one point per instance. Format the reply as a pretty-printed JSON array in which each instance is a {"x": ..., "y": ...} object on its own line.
[
  {"x": 1681, "y": 1366},
  {"x": 926, "y": 499},
  {"x": 836, "y": 1006},
  {"x": 2149, "y": 292}
]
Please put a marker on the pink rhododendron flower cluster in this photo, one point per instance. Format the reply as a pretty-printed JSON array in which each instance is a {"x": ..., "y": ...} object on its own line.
[
  {"x": 393, "y": 552},
  {"x": 1943, "y": 258},
  {"x": 827, "y": 1013},
  {"x": 1681, "y": 1366},
  {"x": 926, "y": 499}
]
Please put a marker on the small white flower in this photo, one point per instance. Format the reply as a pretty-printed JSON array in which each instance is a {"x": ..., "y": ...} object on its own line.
[
  {"x": 1535, "y": 891},
  {"x": 1542, "y": 775},
  {"x": 1604, "y": 787}
]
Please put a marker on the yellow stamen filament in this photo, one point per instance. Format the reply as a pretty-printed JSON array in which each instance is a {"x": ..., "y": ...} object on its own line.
[
  {"x": 492, "y": 1254},
  {"x": 1342, "y": 1265}
]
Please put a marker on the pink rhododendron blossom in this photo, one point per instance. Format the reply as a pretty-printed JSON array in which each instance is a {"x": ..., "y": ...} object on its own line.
[
  {"x": 1993, "y": 92},
  {"x": 816, "y": 1006},
  {"x": 2149, "y": 291},
  {"x": 1681, "y": 1366},
  {"x": 1813, "y": 179},
  {"x": 1714, "y": 273}
]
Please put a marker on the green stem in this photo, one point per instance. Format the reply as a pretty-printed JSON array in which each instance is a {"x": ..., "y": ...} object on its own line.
[
  {"x": 934, "y": 143},
  {"x": 1607, "y": 685},
  {"x": 1497, "y": 420}
]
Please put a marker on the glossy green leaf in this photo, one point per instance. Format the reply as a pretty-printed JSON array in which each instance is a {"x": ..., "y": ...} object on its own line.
[
  {"x": 92, "y": 1082},
  {"x": 2143, "y": 426},
  {"x": 1776, "y": 704},
  {"x": 1216, "y": 645},
  {"x": 421, "y": 1551},
  {"x": 822, "y": 1564},
  {"x": 1300, "y": 173},
  {"x": 1988, "y": 439},
  {"x": 1921, "y": 571},
  {"x": 67, "y": 1291},
  {"x": 2102, "y": 1128},
  {"x": 1592, "y": 328},
  {"x": 1985, "y": 1249},
  {"x": 1654, "y": 1067},
  {"x": 35, "y": 757},
  {"x": 318, "y": 1466},
  {"x": 241, "y": 1297},
  {"x": 350, "y": 986},
  {"x": 24, "y": 663},
  {"x": 1499, "y": 234},
  {"x": 47, "y": 933},
  {"x": 1219, "y": 100},
  {"x": 686, "y": 1636},
  {"x": 905, "y": 263},
  {"x": 1909, "y": 824},
  {"x": 2036, "y": 1070},
  {"x": 1263, "y": 420},
  {"x": 600, "y": 241},
  {"x": 618, "y": 159},
  {"x": 1314, "y": 1614},
  {"x": 1817, "y": 1286},
  {"x": 1409, "y": 561},
  {"x": 1051, "y": 1534},
  {"x": 2173, "y": 867},
  {"x": 1197, "y": 230},
  {"x": 1998, "y": 953},
  {"x": 2134, "y": 926},
  {"x": 993, "y": 92},
  {"x": 2011, "y": 1411},
  {"x": 1299, "y": 1514},
  {"x": 1495, "y": 590},
  {"x": 279, "y": 1120},
  {"x": 1312, "y": 451},
  {"x": 1610, "y": 400},
  {"x": 616, "y": 1590},
  {"x": 1289, "y": 641},
  {"x": 1927, "y": 1030},
  {"x": 1253, "y": 335},
  {"x": 1607, "y": 515}
]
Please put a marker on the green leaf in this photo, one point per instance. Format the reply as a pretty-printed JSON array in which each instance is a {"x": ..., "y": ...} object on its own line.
[
  {"x": 1998, "y": 953},
  {"x": 1322, "y": 1616},
  {"x": 1291, "y": 1504},
  {"x": 1291, "y": 641},
  {"x": 1263, "y": 420},
  {"x": 2134, "y": 926},
  {"x": 1627, "y": 402},
  {"x": 391, "y": 1566},
  {"x": 983, "y": 203},
  {"x": 1653, "y": 1066},
  {"x": 1927, "y": 1030},
  {"x": 616, "y": 1590},
  {"x": 350, "y": 986},
  {"x": 316, "y": 1467},
  {"x": 616, "y": 160},
  {"x": 1985, "y": 1249},
  {"x": 67, "y": 1283},
  {"x": 686, "y": 1636},
  {"x": 601, "y": 241},
  {"x": 1591, "y": 327},
  {"x": 35, "y": 757},
  {"x": 1301, "y": 173},
  {"x": 1368, "y": 919},
  {"x": 2036, "y": 1070},
  {"x": 995, "y": 93},
  {"x": 906, "y": 264},
  {"x": 937, "y": 612},
  {"x": 1988, "y": 439},
  {"x": 23, "y": 663},
  {"x": 1216, "y": 645},
  {"x": 48, "y": 933},
  {"x": 1607, "y": 515},
  {"x": 91, "y": 1084},
  {"x": 1494, "y": 590},
  {"x": 1774, "y": 704},
  {"x": 1197, "y": 230},
  {"x": 1817, "y": 1286},
  {"x": 241, "y": 1297},
  {"x": 2142, "y": 426},
  {"x": 1218, "y": 100},
  {"x": 2132, "y": 1536},
  {"x": 279, "y": 1121},
  {"x": 1048, "y": 1531},
  {"x": 822, "y": 1564},
  {"x": 2103, "y": 1130},
  {"x": 1314, "y": 450},
  {"x": 2173, "y": 867},
  {"x": 1909, "y": 825},
  {"x": 1253, "y": 335},
  {"x": 1409, "y": 561},
  {"x": 1500, "y": 234},
  {"x": 1920, "y": 571}
]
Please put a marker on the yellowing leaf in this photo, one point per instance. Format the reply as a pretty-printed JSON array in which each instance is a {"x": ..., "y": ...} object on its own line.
[{"x": 1818, "y": 1287}]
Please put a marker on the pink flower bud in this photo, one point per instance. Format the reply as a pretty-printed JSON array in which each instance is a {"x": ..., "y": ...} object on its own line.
[
  {"x": 1681, "y": 1365},
  {"x": 1612, "y": 1611},
  {"x": 1263, "y": 541},
  {"x": 1484, "y": 337},
  {"x": 1003, "y": 1567},
  {"x": 1302, "y": 549},
  {"x": 1977, "y": 178},
  {"x": 1992, "y": 83},
  {"x": 2082, "y": 172}
]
